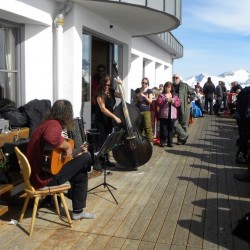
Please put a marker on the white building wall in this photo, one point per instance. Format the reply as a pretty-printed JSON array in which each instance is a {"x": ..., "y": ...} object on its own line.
[
  {"x": 38, "y": 68},
  {"x": 38, "y": 45},
  {"x": 158, "y": 67},
  {"x": 76, "y": 21},
  {"x": 26, "y": 11}
]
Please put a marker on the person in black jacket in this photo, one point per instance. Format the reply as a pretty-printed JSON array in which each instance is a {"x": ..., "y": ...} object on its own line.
[
  {"x": 218, "y": 98},
  {"x": 242, "y": 115},
  {"x": 209, "y": 91}
]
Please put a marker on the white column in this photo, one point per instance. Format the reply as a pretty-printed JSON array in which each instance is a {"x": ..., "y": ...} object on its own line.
[{"x": 58, "y": 57}]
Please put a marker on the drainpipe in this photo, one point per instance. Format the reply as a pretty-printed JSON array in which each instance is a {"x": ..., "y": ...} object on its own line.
[{"x": 58, "y": 49}]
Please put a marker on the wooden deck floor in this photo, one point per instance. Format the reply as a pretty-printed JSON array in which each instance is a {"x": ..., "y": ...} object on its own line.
[{"x": 185, "y": 197}]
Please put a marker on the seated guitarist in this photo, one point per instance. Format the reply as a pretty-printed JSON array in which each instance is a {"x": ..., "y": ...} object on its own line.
[{"x": 75, "y": 171}]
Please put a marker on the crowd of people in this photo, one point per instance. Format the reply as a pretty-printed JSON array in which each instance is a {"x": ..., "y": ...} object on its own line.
[{"x": 174, "y": 102}]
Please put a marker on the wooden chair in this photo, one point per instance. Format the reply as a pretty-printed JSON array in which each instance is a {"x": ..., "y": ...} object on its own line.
[{"x": 31, "y": 192}]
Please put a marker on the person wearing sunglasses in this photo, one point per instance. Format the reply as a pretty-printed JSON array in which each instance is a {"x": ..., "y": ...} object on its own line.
[
  {"x": 143, "y": 99},
  {"x": 104, "y": 115},
  {"x": 186, "y": 95}
]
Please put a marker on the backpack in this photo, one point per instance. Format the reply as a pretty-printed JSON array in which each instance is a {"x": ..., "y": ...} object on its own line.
[{"x": 196, "y": 111}]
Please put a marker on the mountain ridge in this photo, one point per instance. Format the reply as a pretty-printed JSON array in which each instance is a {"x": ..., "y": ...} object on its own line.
[{"x": 242, "y": 76}]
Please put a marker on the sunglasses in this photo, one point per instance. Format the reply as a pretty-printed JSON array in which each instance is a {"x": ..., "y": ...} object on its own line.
[
  {"x": 144, "y": 83},
  {"x": 101, "y": 70},
  {"x": 175, "y": 77},
  {"x": 107, "y": 85}
]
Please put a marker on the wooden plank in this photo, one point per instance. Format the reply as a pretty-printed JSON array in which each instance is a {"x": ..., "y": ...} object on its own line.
[
  {"x": 5, "y": 188},
  {"x": 184, "y": 198},
  {"x": 130, "y": 244},
  {"x": 158, "y": 217},
  {"x": 156, "y": 193},
  {"x": 100, "y": 242},
  {"x": 115, "y": 243},
  {"x": 3, "y": 209}
]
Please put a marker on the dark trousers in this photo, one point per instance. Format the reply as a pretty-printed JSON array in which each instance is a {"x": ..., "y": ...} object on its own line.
[
  {"x": 224, "y": 100},
  {"x": 217, "y": 105},
  {"x": 166, "y": 130},
  {"x": 244, "y": 136},
  {"x": 75, "y": 171},
  {"x": 209, "y": 100}
]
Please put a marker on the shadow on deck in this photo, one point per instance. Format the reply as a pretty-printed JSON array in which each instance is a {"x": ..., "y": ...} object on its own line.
[{"x": 185, "y": 197}]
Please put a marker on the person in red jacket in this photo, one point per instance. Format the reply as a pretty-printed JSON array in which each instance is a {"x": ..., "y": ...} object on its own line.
[{"x": 75, "y": 171}]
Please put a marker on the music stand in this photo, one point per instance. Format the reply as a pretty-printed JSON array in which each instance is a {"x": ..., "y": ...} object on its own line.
[{"x": 112, "y": 140}]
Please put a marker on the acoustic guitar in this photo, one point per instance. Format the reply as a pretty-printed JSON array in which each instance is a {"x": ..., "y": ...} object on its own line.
[{"x": 55, "y": 158}]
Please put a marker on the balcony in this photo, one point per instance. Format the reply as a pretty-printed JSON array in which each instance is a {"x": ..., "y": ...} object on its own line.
[
  {"x": 167, "y": 41},
  {"x": 138, "y": 17}
]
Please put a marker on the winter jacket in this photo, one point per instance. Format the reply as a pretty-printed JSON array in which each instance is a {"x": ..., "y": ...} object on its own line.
[
  {"x": 35, "y": 111},
  {"x": 164, "y": 106},
  {"x": 186, "y": 96},
  {"x": 9, "y": 111}
]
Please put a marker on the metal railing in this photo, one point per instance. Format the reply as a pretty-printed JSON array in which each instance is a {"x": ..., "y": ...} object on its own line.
[{"x": 171, "y": 41}]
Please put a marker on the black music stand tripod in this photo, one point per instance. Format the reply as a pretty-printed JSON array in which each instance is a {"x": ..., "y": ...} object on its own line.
[{"x": 112, "y": 140}]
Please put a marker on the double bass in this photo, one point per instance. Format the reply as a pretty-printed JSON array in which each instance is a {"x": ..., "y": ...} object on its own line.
[{"x": 134, "y": 150}]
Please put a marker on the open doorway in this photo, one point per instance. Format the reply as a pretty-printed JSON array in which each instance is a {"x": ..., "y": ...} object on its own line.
[{"x": 95, "y": 51}]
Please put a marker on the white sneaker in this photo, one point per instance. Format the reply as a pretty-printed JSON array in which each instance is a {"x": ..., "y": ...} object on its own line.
[
  {"x": 91, "y": 170},
  {"x": 82, "y": 215}
]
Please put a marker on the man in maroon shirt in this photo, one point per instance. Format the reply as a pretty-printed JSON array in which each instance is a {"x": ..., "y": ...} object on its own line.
[{"x": 75, "y": 171}]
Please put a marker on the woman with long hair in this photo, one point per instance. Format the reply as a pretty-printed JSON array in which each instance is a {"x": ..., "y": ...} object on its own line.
[
  {"x": 168, "y": 103},
  {"x": 104, "y": 110},
  {"x": 143, "y": 99}
]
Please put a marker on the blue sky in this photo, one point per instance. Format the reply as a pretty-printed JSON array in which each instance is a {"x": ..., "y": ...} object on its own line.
[{"x": 215, "y": 35}]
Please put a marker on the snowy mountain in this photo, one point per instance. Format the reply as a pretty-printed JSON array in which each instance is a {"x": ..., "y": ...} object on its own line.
[{"x": 240, "y": 75}]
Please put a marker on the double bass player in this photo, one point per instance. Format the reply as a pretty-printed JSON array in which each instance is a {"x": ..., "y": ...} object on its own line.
[{"x": 105, "y": 111}]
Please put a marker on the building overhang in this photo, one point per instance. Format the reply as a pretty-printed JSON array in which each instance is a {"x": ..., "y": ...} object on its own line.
[{"x": 138, "y": 20}]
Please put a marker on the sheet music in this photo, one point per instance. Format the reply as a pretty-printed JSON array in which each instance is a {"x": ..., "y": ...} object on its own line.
[{"x": 112, "y": 140}]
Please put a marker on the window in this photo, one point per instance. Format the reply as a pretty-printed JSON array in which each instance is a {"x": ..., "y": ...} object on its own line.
[{"x": 8, "y": 63}]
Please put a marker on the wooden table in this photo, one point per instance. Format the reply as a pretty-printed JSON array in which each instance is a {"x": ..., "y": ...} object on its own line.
[{"x": 10, "y": 137}]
